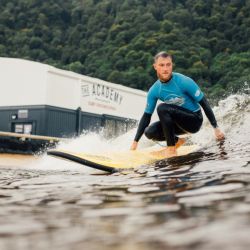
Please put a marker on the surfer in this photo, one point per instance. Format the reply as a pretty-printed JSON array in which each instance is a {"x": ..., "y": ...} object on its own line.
[{"x": 179, "y": 113}]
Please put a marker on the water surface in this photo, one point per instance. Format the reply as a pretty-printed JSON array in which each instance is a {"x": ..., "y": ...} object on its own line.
[{"x": 199, "y": 201}]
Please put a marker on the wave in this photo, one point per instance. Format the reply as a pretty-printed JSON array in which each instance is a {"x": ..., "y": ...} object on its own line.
[{"x": 232, "y": 114}]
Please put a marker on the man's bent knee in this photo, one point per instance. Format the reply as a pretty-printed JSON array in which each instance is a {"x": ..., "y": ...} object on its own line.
[
  {"x": 147, "y": 133},
  {"x": 164, "y": 108},
  {"x": 161, "y": 108}
]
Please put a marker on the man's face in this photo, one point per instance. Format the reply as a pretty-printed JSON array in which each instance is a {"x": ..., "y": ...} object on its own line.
[{"x": 164, "y": 68}]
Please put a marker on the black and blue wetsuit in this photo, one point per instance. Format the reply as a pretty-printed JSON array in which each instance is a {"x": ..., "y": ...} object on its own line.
[{"x": 179, "y": 113}]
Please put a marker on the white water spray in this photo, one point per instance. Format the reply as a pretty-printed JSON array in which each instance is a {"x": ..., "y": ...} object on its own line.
[{"x": 231, "y": 113}]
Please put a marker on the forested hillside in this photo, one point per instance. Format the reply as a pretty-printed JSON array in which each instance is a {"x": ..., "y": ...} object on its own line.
[{"x": 115, "y": 40}]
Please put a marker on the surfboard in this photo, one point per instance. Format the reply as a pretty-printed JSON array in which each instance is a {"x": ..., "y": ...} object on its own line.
[{"x": 117, "y": 161}]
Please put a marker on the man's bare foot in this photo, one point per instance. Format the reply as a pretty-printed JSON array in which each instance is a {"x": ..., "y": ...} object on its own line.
[
  {"x": 165, "y": 152},
  {"x": 180, "y": 142}
]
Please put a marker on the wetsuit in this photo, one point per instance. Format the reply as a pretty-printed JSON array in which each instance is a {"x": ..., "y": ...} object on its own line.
[{"x": 179, "y": 113}]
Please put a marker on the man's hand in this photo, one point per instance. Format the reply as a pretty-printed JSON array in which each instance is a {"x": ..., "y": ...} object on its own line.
[
  {"x": 219, "y": 134},
  {"x": 134, "y": 145}
]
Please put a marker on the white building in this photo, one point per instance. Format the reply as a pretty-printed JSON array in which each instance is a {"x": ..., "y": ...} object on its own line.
[{"x": 40, "y": 99}]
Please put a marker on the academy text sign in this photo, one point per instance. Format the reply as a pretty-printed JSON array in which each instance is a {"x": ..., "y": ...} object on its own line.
[{"x": 102, "y": 98}]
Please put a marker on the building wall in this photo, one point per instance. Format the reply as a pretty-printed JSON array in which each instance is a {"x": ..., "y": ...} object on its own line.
[
  {"x": 31, "y": 83},
  {"x": 5, "y": 119},
  {"x": 60, "y": 122},
  {"x": 36, "y": 116},
  {"x": 91, "y": 122},
  {"x": 43, "y": 100},
  {"x": 22, "y": 82},
  {"x": 62, "y": 89}
]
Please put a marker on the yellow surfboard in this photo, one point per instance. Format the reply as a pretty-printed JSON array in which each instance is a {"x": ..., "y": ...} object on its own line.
[{"x": 116, "y": 161}]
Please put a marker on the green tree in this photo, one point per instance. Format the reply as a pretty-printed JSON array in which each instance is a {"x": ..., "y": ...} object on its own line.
[{"x": 116, "y": 39}]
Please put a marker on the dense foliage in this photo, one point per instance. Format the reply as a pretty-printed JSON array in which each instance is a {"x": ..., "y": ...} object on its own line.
[{"x": 115, "y": 40}]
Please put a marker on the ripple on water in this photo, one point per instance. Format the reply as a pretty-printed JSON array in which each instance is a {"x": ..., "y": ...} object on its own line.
[
  {"x": 211, "y": 189},
  {"x": 122, "y": 211},
  {"x": 200, "y": 203},
  {"x": 143, "y": 189}
]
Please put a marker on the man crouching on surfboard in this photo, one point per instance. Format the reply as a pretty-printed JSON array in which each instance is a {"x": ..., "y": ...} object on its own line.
[{"x": 180, "y": 111}]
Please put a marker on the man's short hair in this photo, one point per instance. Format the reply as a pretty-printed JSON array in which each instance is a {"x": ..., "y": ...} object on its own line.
[{"x": 163, "y": 54}]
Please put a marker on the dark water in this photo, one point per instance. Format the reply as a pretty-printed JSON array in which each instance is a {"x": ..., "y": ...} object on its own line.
[{"x": 199, "y": 201}]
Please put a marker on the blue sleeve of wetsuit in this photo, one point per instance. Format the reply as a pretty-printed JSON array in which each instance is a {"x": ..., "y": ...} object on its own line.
[
  {"x": 151, "y": 99},
  {"x": 144, "y": 122},
  {"x": 208, "y": 111},
  {"x": 193, "y": 90}
]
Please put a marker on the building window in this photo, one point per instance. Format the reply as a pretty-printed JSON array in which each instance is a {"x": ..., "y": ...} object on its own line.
[
  {"x": 22, "y": 128},
  {"x": 23, "y": 114},
  {"x": 18, "y": 128},
  {"x": 27, "y": 128}
]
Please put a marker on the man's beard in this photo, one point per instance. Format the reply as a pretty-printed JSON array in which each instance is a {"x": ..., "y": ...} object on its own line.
[{"x": 165, "y": 79}]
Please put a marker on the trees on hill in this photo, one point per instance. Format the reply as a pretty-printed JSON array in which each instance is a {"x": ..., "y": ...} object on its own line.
[{"x": 115, "y": 40}]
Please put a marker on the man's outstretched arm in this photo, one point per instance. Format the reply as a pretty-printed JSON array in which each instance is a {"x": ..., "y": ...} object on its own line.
[
  {"x": 144, "y": 122},
  {"x": 210, "y": 115}
]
